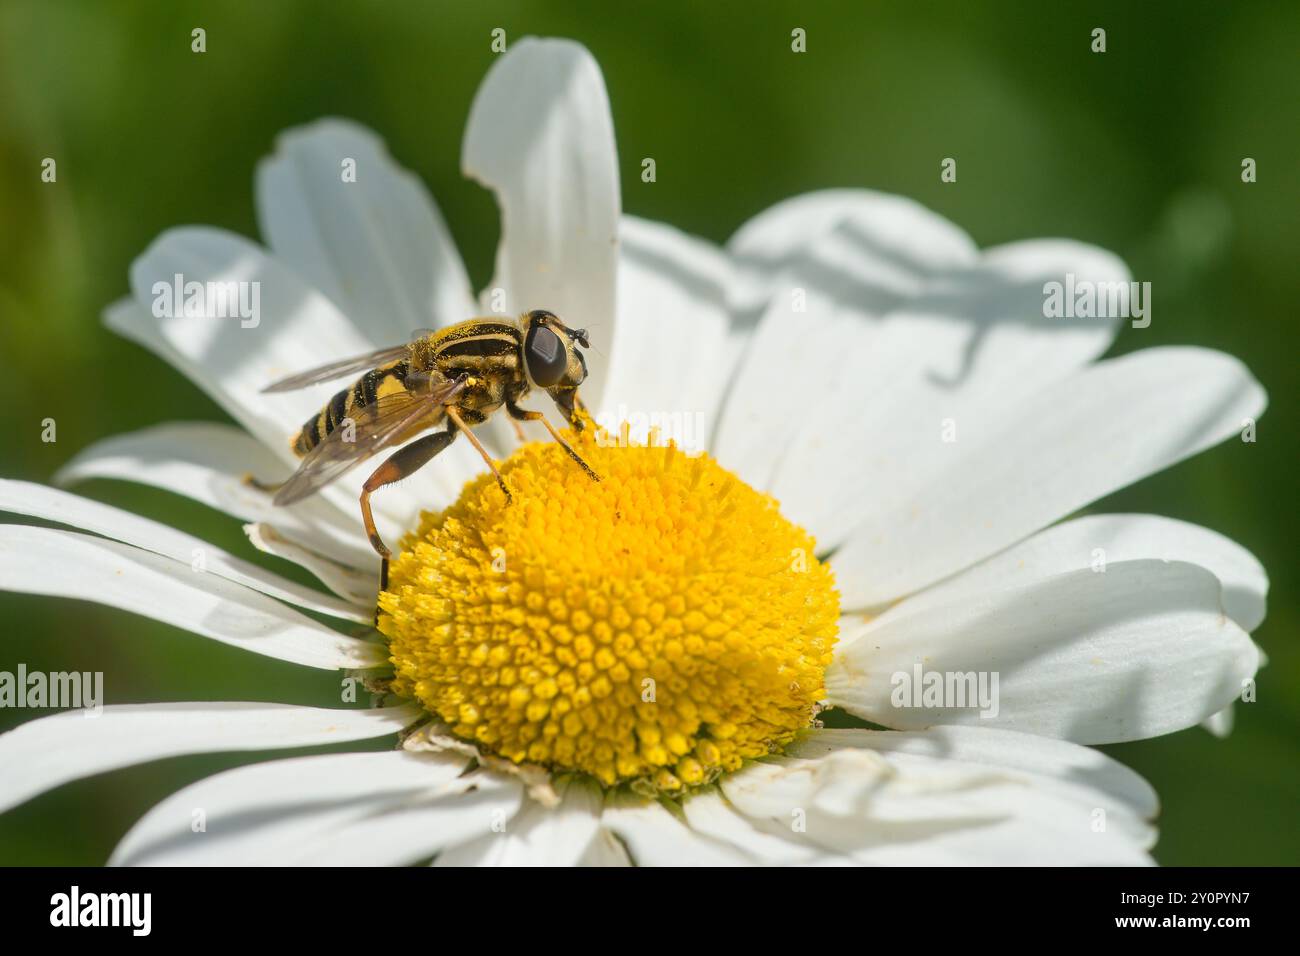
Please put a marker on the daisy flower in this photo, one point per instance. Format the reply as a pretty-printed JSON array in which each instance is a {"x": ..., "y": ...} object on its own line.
[{"x": 881, "y": 442}]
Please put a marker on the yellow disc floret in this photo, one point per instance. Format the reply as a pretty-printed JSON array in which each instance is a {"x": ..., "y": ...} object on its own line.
[{"x": 658, "y": 627}]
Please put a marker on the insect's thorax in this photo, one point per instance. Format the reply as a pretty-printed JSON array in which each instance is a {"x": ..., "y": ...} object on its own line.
[{"x": 486, "y": 351}]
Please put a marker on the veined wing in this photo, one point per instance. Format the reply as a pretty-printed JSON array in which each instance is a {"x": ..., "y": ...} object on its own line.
[
  {"x": 373, "y": 428},
  {"x": 349, "y": 366}
]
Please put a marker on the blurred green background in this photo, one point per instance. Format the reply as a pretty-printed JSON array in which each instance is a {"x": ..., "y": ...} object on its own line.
[{"x": 1137, "y": 150}]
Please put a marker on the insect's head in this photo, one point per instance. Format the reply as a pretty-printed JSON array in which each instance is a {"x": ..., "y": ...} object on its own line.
[{"x": 551, "y": 356}]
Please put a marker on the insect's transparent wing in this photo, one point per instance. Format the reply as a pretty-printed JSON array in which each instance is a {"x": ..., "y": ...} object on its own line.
[
  {"x": 349, "y": 366},
  {"x": 373, "y": 428},
  {"x": 437, "y": 388}
]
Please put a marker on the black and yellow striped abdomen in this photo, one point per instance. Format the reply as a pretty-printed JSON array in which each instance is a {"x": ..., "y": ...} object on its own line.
[{"x": 384, "y": 380}]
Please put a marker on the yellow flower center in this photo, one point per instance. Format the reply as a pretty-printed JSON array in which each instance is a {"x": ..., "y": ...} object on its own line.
[{"x": 657, "y": 627}]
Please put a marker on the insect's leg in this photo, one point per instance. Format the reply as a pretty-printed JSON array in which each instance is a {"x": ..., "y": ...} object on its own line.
[
  {"x": 513, "y": 394},
  {"x": 401, "y": 464},
  {"x": 571, "y": 407},
  {"x": 523, "y": 415},
  {"x": 460, "y": 424},
  {"x": 270, "y": 487}
]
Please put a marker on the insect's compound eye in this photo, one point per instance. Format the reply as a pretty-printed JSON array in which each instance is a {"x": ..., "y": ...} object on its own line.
[{"x": 545, "y": 355}]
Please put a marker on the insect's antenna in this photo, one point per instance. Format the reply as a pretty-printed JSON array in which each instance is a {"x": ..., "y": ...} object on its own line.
[{"x": 585, "y": 342}]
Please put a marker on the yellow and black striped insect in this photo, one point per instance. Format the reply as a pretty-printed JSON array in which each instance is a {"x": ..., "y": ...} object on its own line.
[{"x": 459, "y": 376}]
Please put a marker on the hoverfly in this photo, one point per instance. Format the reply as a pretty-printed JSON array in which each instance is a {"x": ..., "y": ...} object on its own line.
[{"x": 459, "y": 375}]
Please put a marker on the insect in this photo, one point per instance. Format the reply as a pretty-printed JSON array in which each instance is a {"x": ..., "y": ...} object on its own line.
[{"x": 457, "y": 377}]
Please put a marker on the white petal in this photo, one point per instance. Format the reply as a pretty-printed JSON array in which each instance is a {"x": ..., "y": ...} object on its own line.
[
  {"x": 538, "y": 835},
  {"x": 1140, "y": 650},
  {"x": 1220, "y": 724},
  {"x": 605, "y": 849},
  {"x": 1068, "y": 445},
  {"x": 356, "y": 587},
  {"x": 893, "y": 237},
  {"x": 881, "y": 809},
  {"x": 38, "y": 501},
  {"x": 1086, "y": 775},
  {"x": 1059, "y": 760},
  {"x": 418, "y": 827},
  {"x": 541, "y": 137},
  {"x": 710, "y": 815},
  {"x": 655, "y": 837},
  {"x": 971, "y": 343},
  {"x": 859, "y": 259},
  {"x": 835, "y": 784},
  {"x": 42, "y": 754},
  {"x": 206, "y": 461},
  {"x": 676, "y": 346},
  {"x": 377, "y": 246},
  {"x": 1096, "y": 541},
  {"x": 297, "y": 327},
  {"x": 890, "y": 325},
  {"x": 272, "y": 813},
  {"x": 65, "y": 564}
]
